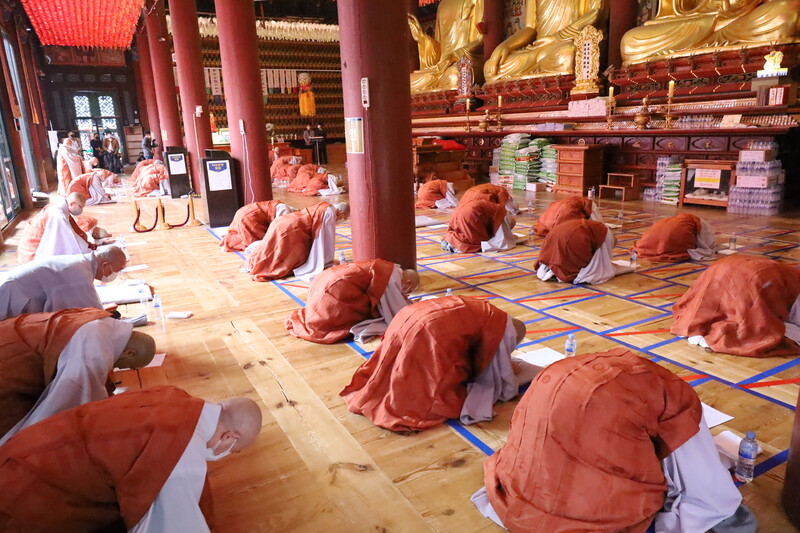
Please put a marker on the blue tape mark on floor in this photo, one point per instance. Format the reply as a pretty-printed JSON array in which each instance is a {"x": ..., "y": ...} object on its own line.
[
  {"x": 475, "y": 441},
  {"x": 771, "y": 371}
]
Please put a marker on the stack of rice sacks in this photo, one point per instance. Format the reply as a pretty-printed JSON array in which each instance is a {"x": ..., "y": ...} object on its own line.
[
  {"x": 668, "y": 180},
  {"x": 508, "y": 156},
  {"x": 548, "y": 163}
]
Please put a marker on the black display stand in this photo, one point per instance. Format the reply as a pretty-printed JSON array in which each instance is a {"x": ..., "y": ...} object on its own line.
[
  {"x": 222, "y": 196},
  {"x": 177, "y": 158}
]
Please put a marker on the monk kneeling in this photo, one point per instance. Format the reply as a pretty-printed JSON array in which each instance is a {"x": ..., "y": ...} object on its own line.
[
  {"x": 608, "y": 442},
  {"x": 441, "y": 358},
  {"x": 358, "y": 298},
  {"x": 59, "y": 282},
  {"x": 303, "y": 242},
  {"x": 493, "y": 193},
  {"x": 302, "y": 177},
  {"x": 479, "y": 226},
  {"x": 678, "y": 238},
  {"x": 56, "y": 361},
  {"x": 742, "y": 305},
  {"x": 571, "y": 208},
  {"x": 135, "y": 462},
  {"x": 250, "y": 224},
  {"x": 278, "y": 169},
  {"x": 436, "y": 193},
  {"x": 151, "y": 180},
  {"x": 322, "y": 183},
  {"x": 578, "y": 251},
  {"x": 90, "y": 185}
]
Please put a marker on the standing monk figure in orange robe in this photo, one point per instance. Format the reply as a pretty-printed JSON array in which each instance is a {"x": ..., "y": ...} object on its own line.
[
  {"x": 678, "y": 238},
  {"x": 134, "y": 462},
  {"x": 608, "y": 442},
  {"x": 742, "y": 305},
  {"x": 440, "y": 359},
  {"x": 250, "y": 224},
  {"x": 358, "y": 298},
  {"x": 571, "y": 208},
  {"x": 479, "y": 226},
  {"x": 494, "y": 193},
  {"x": 302, "y": 242},
  {"x": 436, "y": 194}
]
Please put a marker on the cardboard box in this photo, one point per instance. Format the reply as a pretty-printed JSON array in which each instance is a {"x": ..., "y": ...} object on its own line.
[
  {"x": 756, "y": 182},
  {"x": 759, "y": 156}
]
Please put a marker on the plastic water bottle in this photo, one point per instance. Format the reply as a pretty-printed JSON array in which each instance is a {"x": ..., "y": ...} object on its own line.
[
  {"x": 571, "y": 346},
  {"x": 590, "y": 193},
  {"x": 531, "y": 236},
  {"x": 620, "y": 217},
  {"x": 158, "y": 309},
  {"x": 745, "y": 464},
  {"x": 449, "y": 292},
  {"x": 342, "y": 258},
  {"x": 732, "y": 242},
  {"x": 144, "y": 297},
  {"x": 121, "y": 242},
  {"x": 634, "y": 258},
  {"x": 530, "y": 208}
]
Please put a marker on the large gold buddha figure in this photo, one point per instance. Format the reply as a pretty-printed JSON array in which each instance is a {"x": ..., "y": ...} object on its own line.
[
  {"x": 544, "y": 46},
  {"x": 683, "y": 26},
  {"x": 456, "y": 36}
]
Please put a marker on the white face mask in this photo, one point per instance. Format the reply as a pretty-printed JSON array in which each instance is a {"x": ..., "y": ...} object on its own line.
[
  {"x": 109, "y": 278},
  {"x": 211, "y": 456}
]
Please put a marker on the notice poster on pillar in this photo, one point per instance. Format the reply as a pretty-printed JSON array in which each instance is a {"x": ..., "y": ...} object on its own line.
[
  {"x": 708, "y": 178},
  {"x": 216, "y": 81},
  {"x": 354, "y": 135},
  {"x": 177, "y": 164},
  {"x": 219, "y": 175}
]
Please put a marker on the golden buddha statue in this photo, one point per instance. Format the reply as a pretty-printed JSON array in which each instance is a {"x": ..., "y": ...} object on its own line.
[
  {"x": 456, "y": 36},
  {"x": 544, "y": 46},
  {"x": 684, "y": 26}
]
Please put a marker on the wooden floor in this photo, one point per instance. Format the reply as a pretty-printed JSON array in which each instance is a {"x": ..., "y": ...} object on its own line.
[{"x": 316, "y": 467}]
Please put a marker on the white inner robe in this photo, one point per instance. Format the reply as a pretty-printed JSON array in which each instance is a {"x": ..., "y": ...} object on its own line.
[
  {"x": 599, "y": 270},
  {"x": 82, "y": 370},
  {"x": 322, "y": 249},
  {"x": 57, "y": 283},
  {"x": 391, "y": 302},
  {"x": 58, "y": 237},
  {"x": 74, "y": 162},
  {"x": 503, "y": 239},
  {"x": 97, "y": 195},
  {"x": 449, "y": 199},
  {"x": 706, "y": 243},
  {"x": 333, "y": 187}
]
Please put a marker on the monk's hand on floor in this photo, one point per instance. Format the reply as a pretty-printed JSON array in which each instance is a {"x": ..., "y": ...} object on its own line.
[{"x": 524, "y": 371}]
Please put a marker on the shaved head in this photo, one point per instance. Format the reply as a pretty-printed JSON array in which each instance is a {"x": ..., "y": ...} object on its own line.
[
  {"x": 342, "y": 210},
  {"x": 240, "y": 419},
  {"x": 409, "y": 281},
  {"x": 138, "y": 352},
  {"x": 75, "y": 203},
  {"x": 113, "y": 256},
  {"x": 519, "y": 325}
]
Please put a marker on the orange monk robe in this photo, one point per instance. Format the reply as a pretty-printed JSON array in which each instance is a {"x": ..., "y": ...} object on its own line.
[
  {"x": 585, "y": 446},
  {"x": 304, "y": 175},
  {"x": 149, "y": 179},
  {"x": 291, "y": 172},
  {"x": 64, "y": 174},
  {"x": 339, "y": 298},
  {"x": 29, "y": 349},
  {"x": 570, "y": 208},
  {"x": 279, "y": 168},
  {"x": 316, "y": 183},
  {"x": 674, "y": 239},
  {"x": 493, "y": 193},
  {"x": 140, "y": 167},
  {"x": 76, "y": 242},
  {"x": 286, "y": 244},
  {"x": 739, "y": 306},
  {"x": 570, "y": 247},
  {"x": 417, "y": 378},
  {"x": 97, "y": 467},
  {"x": 472, "y": 223},
  {"x": 90, "y": 186},
  {"x": 250, "y": 224},
  {"x": 431, "y": 192}
]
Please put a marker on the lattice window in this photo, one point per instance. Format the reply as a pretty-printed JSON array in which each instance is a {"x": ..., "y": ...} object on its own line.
[
  {"x": 82, "y": 108},
  {"x": 109, "y": 124},
  {"x": 107, "y": 108}
]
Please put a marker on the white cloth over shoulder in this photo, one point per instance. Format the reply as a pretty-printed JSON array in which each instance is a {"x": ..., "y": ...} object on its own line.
[
  {"x": 58, "y": 237},
  {"x": 282, "y": 209},
  {"x": 503, "y": 239},
  {"x": 449, "y": 199},
  {"x": 706, "y": 243},
  {"x": 496, "y": 382},
  {"x": 596, "y": 215},
  {"x": 57, "y": 283},
  {"x": 97, "y": 195},
  {"x": 82, "y": 370},
  {"x": 599, "y": 270},
  {"x": 511, "y": 206},
  {"x": 176, "y": 509},
  {"x": 333, "y": 187},
  {"x": 322, "y": 249},
  {"x": 391, "y": 302}
]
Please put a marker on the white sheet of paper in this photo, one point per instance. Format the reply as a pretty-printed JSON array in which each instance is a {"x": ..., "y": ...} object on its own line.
[
  {"x": 438, "y": 226},
  {"x": 714, "y": 417},
  {"x": 422, "y": 221},
  {"x": 219, "y": 176},
  {"x": 135, "y": 243},
  {"x": 134, "y": 268},
  {"x": 119, "y": 294},
  {"x": 542, "y": 357},
  {"x": 622, "y": 263},
  {"x": 179, "y": 314},
  {"x": 612, "y": 226},
  {"x": 728, "y": 442},
  {"x": 158, "y": 360},
  {"x": 726, "y": 252}
]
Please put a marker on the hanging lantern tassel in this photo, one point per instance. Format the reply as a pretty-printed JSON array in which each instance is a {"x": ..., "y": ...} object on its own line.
[
  {"x": 192, "y": 220},
  {"x": 162, "y": 223},
  {"x": 137, "y": 226}
]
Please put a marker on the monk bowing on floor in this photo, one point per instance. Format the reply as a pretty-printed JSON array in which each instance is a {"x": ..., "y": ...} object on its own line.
[
  {"x": 570, "y": 208},
  {"x": 302, "y": 242},
  {"x": 279, "y": 168},
  {"x": 358, "y": 298},
  {"x": 90, "y": 185},
  {"x": 678, "y": 238},
  {"x": 303, "y": 176},
  {"x": 578, "y": 251},
  {"x": 742, "y": 305},
  {"x": 59, "y": 282},
  {"x": 479, "y": 226},
  {"x": 442, "y": 358},
  {"x": 493, "y": 193},
  {"x": 56, "y": 361},
  {"x": 436, "y": 194},
  {"x": 250, "y": 224},
  {"x": 151, "y": 180},
  {"x": 608, "y": 442},
  {"x": 134, "y": 462}
]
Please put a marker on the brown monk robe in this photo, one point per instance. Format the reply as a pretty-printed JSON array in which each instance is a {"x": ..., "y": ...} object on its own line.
[
  {"x": 585, "y": 445},
  {"x": 287, "y": 243},
  {"x": 570, "y": 208},
  {"x": 570, "y": 247},
  {"x": 739, "y": 306},
  {"x": 430, "y": 192},
  {"x": 472, "y": 223},
  {"x": 493, "y": 193},
  {"x": 304, "y": 175},
  {"x": 670, "y": 239},
  {"x": 417, "y": 378},
  {"x": 249, "y": 225},
  {"x": 339, "y": 298},
  {"x": 97, "y": 467}
]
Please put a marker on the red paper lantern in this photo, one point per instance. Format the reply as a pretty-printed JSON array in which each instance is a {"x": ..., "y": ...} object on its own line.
[{"x": 84, "y": 23}]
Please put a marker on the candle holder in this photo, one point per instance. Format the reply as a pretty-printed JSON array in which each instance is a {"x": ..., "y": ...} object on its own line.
[
  {"x": 610, "y": 104},
  {"x": 467, "y": 125}
]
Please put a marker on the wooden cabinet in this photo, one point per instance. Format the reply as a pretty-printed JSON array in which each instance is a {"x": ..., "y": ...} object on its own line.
[{"x": 580, "y": 167}]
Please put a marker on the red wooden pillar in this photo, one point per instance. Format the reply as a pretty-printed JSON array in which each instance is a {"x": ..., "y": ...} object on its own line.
[
  {"x": 623, "y": 19},
  {"x": 413, "y": 49},
  {"x": 493, "y": 13},
  {"x": 194, "y": 101},
  {"x": 241, "y": 77},
  {"x": 163, "y": 78},
  {"x": 148, "y": 88},
  {"x": 381, "y": 178}
]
